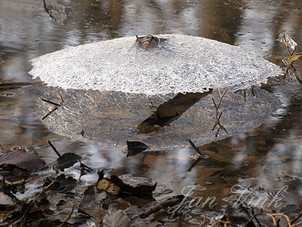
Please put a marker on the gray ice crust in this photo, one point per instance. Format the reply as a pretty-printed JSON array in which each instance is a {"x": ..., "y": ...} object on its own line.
[{"x": 183, "y": 64}]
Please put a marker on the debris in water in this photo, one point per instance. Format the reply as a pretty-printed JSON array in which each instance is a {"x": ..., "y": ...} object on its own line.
[
  {"x": 56, "y": 105},
  {"x": 288, "y": 62},
  {"x": 148, "y": 42},
  {"x": 126, "y": 184},
  {"x": 13, "y": 85},
  {"x": 135, "y": 147},
  {"x": 23, "y": 159},
  {"x": 217, "y": 115},
  {"x": 67, "y": 160}
]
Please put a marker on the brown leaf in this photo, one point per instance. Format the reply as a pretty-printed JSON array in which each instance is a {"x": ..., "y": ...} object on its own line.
[
  {"x": 23, "y": 159},
  {"x": 116, "y": 218},
  {"x": 294, "y": 58}
]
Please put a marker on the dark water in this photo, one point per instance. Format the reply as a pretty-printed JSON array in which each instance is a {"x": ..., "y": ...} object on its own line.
[{"x": 263, "y": 157}]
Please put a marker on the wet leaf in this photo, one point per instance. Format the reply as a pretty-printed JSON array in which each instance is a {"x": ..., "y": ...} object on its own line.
[
  {"x": 294, "y": 58},
  {"x": 91, "y": 206},
  {"x": 135, "y": 147},
  {"x": 290, "y": 208},
  {"x": 45, "y": 223},
  {"x": 284, "y": 38},
  {"x": 157, "y": 206},
  {"x": 239, "y": 215},
  {"x": 115, "y": 218},
  {"x": 108, "y": 186},
  {"x": 23, "y": 159},
  {"x": 127, "y": 184},
  {"x": 62, "y": 184},
  {"x": 67, "y": 160},
  {"x": 6, "y": 200},
  {"x": 13, "y": 174}
]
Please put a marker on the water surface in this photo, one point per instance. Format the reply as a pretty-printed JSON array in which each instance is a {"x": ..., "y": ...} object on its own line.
[{"x": 261, "y": 157}]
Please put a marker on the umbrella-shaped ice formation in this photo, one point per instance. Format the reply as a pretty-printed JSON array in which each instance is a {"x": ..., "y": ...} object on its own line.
[
  {"x": 111, "y": 84},
  {"x": 181, "y": 64}
]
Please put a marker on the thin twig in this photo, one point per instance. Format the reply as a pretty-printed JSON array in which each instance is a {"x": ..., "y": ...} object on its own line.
[
  {"x": 14, "y": 85},
  {"x": 295, "y": 73},
  {"x": 204, "y": 219},
  {"x": 194, "y": 147},
  {"x": 56, "y": 105},
  {"x": 54, "y": 148},
  {"x": 69, "y": 216},
  {"x": 61, "y": 98},
  {"x": 162, "y": 204},
  {"x": 51, "y": 102},
  {"x": 290, "y": 62},
  {"x": 225, "y": 223},
  {"x": 50, "y": 112},
  {"x": 295, "y": 219},
  {"x": 194, "y": 163},
  {"x": 217, "y": 115}
]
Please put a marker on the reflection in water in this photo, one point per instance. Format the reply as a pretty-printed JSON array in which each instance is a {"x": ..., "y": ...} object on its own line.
[
  {"x": 112, "y": 118},
  {"x": 27, "y": 32},
  {"x": 225, "y": 27},
  {"x": 170, "y": 111}
]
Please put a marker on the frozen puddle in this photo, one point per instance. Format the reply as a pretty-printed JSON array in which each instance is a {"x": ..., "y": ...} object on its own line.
[{"x": 117, "y": 92}]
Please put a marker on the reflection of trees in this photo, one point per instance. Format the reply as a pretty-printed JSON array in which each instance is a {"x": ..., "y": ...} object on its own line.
[
  {"x": 91, "y": 17},
  {"x": 221, "y": 20},
  {"x": 263, "y": 21}
]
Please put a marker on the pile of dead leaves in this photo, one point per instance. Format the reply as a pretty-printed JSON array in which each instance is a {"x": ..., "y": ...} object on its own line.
[{"x": 34, "y": 194}]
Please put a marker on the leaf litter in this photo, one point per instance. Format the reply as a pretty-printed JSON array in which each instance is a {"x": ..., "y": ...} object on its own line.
[{"x": 63, "y": 199}]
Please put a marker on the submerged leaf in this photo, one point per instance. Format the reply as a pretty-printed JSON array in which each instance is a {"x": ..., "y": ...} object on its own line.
[
  {"x": 91, "y": 206},
  {"x": 116, "y": 218}
]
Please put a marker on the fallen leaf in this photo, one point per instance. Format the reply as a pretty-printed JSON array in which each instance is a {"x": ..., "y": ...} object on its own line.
[
  {"x": 6, "y": 200},
  {"x": 91, "y": 206},
  {"x": 284, "y": 38},
  {"x": 115, "y": 218},
  {"x": 108, "y": 186},
  {"x": 23, "y": 159},
  {"x": 294, "y": 58},
  {"x": 67, "y": 160},
  {"x": 62, "y": 184},
  {"x": 126, "y": 184},
  {"x": 13, "y": 174}
]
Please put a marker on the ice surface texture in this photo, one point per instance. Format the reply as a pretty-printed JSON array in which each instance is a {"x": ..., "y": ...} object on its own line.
[{"x": 182, "y": 64}]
